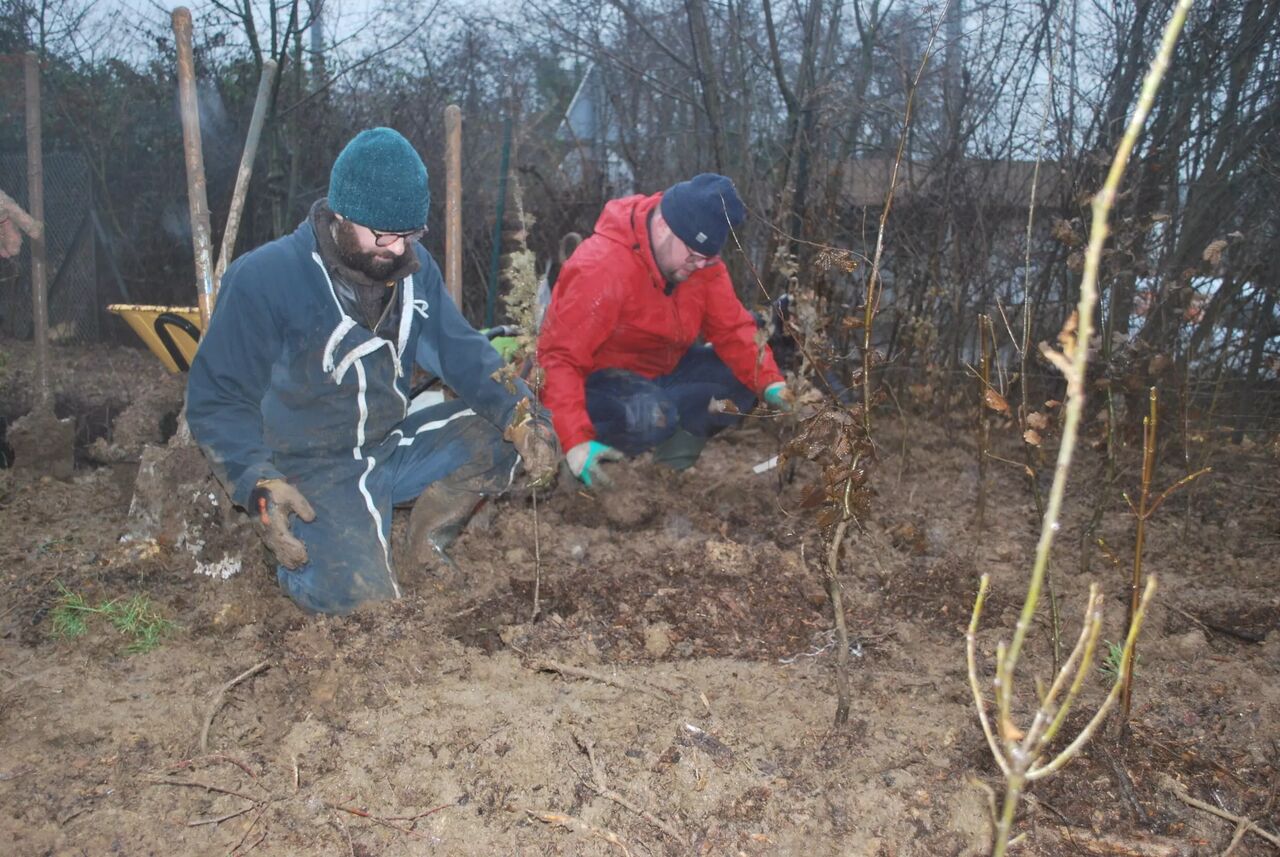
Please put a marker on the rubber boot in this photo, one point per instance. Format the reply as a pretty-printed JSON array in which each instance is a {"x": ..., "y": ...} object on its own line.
[
  {"x": 680, "y": 451},
  {"x": 439, "y": 516}
]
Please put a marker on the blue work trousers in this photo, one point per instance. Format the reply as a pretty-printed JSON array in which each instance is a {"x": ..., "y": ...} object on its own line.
[
  {"x": 633, "y": 414},
  {"x": 349, "y": 542}
]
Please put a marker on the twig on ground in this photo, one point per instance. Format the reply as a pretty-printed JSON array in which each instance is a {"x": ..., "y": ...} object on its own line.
[
  {"x": 221, "y": 818},
  {"x": 1126, "y": 788},
  {"x": 261, "y": 838},
  {"x": 1082, "y": 841},
  {"x": 1242, "y": 828},
  {"x": 599, "y": 784},
  {"x": 543, "y": 665},
  {"x": 422, "y": 814},
  {"x": 1249, "y": 824},
  {"x": 376, "y": 819},
  {"x": 220, "y": 696},
  {"x": 213, "y": 757},
  {"x": 1226, "y": 630},
  {"x": 210, "y": 787},
  {"x": 252, "y": 824},
  {"x": 579, "y": 826},
  {"x": 342, "y": 825}
]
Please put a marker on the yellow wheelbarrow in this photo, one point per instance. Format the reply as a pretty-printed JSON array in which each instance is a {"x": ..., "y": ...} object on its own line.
[{"x": 171, "y": 332}]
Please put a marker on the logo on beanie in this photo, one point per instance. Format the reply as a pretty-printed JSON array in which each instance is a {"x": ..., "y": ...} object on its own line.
[{"x": 700, "y": 237}]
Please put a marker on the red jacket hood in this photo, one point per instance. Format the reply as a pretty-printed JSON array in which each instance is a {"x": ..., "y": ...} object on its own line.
[{"x": 626, "y": 222}]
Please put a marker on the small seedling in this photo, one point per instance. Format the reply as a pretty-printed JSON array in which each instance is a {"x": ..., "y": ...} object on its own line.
[
  {"x": 136, "y": 618},
  {"x": 1111, "y": 661}
]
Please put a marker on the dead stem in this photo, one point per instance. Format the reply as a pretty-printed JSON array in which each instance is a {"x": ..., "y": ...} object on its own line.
[
  {"x": 198, "y": 822},
  {"x": 220, "y": 696},
  {"x": 543, "y": 665},
  {"x": 835, "y": 592},
  {"x": 986, "y": 336},
  {"x": 209, "y": 787},
  {"x": 537, "y": 561},
  {"x": 1222, "y": 813},
  {"x": 599, "y": 784},
  {"x": 376, "y": 819},
  {"x": 579, "y": 826}
]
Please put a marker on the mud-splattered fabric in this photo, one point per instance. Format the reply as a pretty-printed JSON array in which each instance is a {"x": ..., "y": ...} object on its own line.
[
  {"x": 287, "y": 385},
  {"x": 348, "y": 544}
]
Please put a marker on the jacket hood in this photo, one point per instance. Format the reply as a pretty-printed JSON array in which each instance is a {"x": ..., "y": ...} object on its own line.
[{"x": 625, "y": 221}]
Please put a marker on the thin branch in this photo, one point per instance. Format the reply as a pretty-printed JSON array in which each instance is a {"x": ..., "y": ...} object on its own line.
[{"x": 220, "y": 696}]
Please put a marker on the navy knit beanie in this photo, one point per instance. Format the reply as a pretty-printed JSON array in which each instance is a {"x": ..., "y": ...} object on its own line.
[
  {"x": 380, "y": 182},
  {"x": 701, "y": 210}
]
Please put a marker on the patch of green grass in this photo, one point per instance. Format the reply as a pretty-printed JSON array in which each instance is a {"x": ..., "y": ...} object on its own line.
[
  {"x": 1110, "y": 666},
  {"x": 138, "y": 619},
  {"x": 70, "y": 614}
]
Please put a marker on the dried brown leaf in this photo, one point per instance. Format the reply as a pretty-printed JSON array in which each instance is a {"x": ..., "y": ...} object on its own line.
[
  {"x": 1037, "y": 421},
  {"x": 1067, "y": 336},
  {"x": 1066, "y": 233},
  {"x": 814, "y": 496},
  {"x": 722, "y": 406},
  {"x": 1032, "y": 437},
  {"x": 995, "y": 401},
  {"x": 1213, "y": 253}
]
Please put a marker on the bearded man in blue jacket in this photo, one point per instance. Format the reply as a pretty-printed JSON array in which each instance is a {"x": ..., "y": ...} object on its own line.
[{"x": 299, "y": 392}]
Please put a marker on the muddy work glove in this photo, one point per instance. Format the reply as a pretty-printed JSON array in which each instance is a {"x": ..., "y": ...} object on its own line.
[
  {"x": 584, "y": 462},
  {"x": 779, "y": 397},
  {"x": 536, "y": 443},
  {"x": 270, "y": 505}
]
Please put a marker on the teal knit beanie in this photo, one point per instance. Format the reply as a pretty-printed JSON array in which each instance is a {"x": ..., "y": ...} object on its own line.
[
  {"x": 701, "y": 210},
  {"x": 380, "y": 182}
]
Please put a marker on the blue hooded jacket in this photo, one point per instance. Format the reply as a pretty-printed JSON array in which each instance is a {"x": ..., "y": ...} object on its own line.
[{"x": 284, "y": 373}]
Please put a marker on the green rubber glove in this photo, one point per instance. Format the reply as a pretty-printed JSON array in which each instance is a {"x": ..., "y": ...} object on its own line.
[
  {"x": 584, "y": 462},
  {"x": 779, "y": 397}
]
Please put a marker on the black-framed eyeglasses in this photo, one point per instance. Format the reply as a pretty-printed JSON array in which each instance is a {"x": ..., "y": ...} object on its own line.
[{"x": 386, "y": 239}]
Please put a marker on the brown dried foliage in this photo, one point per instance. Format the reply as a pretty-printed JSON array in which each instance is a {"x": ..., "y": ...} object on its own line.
[{"x": 836, "y": 440}]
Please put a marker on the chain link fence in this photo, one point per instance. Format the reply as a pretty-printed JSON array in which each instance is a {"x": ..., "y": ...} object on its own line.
[{"x": 74, "y": 305}]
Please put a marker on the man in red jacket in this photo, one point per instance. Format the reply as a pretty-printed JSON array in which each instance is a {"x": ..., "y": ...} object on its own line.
[{"x": 623, "y": 373}]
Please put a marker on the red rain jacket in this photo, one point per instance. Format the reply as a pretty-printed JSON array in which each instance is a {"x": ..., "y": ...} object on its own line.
[{"x": 609, "y": 310}]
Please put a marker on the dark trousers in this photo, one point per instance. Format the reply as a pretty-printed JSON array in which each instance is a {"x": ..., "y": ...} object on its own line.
[{"x": 633, "y": 414}]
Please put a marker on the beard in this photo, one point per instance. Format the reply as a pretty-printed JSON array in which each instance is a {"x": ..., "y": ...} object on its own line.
[{"x": 376, "y": 264}]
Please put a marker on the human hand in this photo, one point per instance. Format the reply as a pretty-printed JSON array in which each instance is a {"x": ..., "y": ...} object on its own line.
[
  {"x": 271, "y": 503},
  {"x": 584, "y": 460},
  {"x": 536, "y": 443},
  {"x": 10, "y": 237},
  {"x": 779, "y": 397}
]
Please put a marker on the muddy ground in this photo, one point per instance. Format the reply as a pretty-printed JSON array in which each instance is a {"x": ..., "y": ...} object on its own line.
[{"x": 675, "y": 695}]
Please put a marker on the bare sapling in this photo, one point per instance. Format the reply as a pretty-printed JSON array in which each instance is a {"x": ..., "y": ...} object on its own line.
[
  {"x": 1023, "y": 755},
  {"x": 836, "y": 439},
  {"x": 990, "y": 400},
  {"x": 1142, "y": 512},
  {"x": 519, "y": 271}
]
